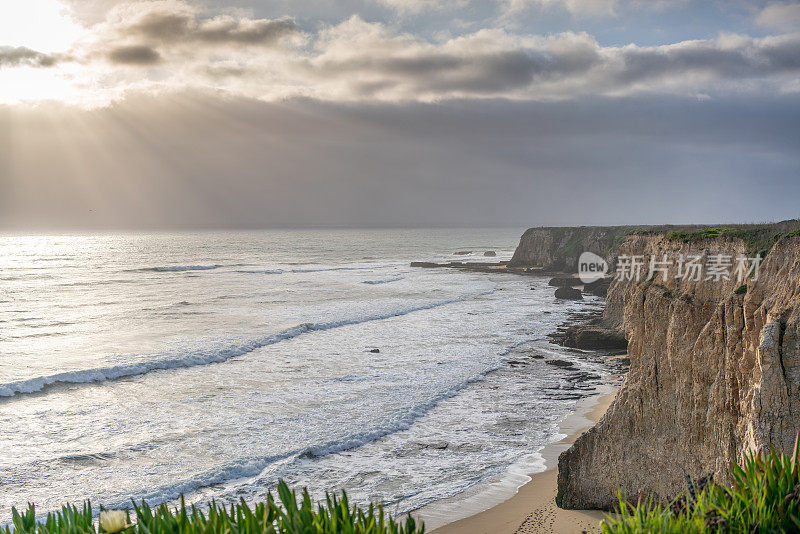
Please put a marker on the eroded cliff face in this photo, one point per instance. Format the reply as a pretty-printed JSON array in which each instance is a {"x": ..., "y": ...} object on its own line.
[
  {"x": 713, "y": 374},
  {"x": 558, "y": 248}
]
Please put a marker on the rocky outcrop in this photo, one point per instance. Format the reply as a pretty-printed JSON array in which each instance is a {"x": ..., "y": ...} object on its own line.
[
  {"x": 557, "y": 248},
  {"x": 569, "y": 293},
  {"x": 594, "y": 337},
  {"x": 714, "y": 371}
]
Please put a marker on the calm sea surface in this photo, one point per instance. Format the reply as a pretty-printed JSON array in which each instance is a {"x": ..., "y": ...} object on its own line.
[{"x": 213, "y": 364}]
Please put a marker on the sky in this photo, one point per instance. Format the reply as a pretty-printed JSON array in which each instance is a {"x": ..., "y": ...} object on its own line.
[{"x": 190, "y": 114}]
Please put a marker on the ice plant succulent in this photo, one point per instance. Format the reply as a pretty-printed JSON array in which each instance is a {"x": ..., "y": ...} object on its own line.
[
  {"x": 764, "y": 497},
  {"x": 113, "y": 520},
  {"x": 289, "y": 513}
]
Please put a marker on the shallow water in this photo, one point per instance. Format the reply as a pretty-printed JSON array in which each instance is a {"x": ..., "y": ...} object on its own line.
[{"x": 214, "y": 364}]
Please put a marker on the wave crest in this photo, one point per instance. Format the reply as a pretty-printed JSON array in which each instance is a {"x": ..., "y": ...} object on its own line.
[
  {"x": 173, "y": 268},
  {"x": 386, "y": 281},
  {"x": 104, "y": 374}
]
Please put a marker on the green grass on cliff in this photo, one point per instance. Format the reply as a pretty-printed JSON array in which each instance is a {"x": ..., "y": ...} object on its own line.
[
  {"x": 569, "y": 242},
  {"x": 286, "y": 515},
  {"x": 764, "y": 498},
  {"x": 758, "y": 238}
]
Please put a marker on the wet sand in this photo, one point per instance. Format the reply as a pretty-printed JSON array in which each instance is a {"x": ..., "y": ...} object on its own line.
[{"x": 533, "y": 508}]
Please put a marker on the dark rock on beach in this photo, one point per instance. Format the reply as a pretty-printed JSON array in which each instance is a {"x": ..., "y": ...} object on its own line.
[
  {"x": 559, "y": 363},
  {"x": 568, "y": 293},
  {"x": 594, "y": 337},
  {"x": 490, "y": 253},
  {"x": 598, "y": 288},
  {"x": 483, "y": 267}
]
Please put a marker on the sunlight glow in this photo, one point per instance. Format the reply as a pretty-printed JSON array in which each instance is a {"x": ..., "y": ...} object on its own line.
[
  {"x": 27, "y": 84},
  {"x": 42, "y": 25}
]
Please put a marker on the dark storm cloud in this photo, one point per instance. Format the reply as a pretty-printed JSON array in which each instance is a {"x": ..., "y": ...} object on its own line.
[
  {"x": 161, "y": 25},
  {"x": 134, "y": 55},
  {"x": 242, "y": 163},
  {"x": 371, "y": 60},
  {"x": 148, "y": 33},
  {"x": 440, "y": 72},
  {"x": 738, "y": 58},
  {"x": 13, "y": 56},
  {"x": 228, "y": 30},
  {"x": 562, "y": 66},
  {"x": 169, "y": 26}
]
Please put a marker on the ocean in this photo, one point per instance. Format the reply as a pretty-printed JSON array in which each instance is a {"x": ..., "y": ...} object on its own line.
[{"x": 213, "y": 364}]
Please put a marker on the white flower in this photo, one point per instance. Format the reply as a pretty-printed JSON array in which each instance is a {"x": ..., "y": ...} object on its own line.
[{"x": 113, "y": 520}]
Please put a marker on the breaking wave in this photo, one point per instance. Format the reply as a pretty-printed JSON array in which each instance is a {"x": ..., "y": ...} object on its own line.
[{"x": 206, "y": 357}]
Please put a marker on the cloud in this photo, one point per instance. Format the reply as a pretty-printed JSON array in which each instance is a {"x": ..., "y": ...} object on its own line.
[
  {"x": 175, "y": 22},
  {"x": 580, "y": 7},
  {"x": 365, "y": 60},
  {"x": 361, "y": 60},
  {"x": 780, "y": 15},
  {"x": 14, "y": 56},
  {"x": 244, "y": 31},
  {"x": 727, "y": 58},
  {"x": 134, "y": 55},
  {"x": 588, "y": 8},
  {"x": 356, "y": 60},
  {"x": 181, "y": 34},
  {"x": 409, "y": 7},
  {"x": 162, "y": 25}
]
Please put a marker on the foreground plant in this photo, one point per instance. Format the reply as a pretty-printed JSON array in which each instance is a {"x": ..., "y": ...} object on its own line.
[
  {"x": 286, "y": 515},
  {"x": 764, "y": 498}
]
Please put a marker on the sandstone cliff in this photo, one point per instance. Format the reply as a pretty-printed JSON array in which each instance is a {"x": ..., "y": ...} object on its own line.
[{"x": 715, "y": 371}]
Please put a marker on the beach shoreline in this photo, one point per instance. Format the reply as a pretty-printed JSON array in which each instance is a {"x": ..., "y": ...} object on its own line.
[{"x": 532, "y": 508}]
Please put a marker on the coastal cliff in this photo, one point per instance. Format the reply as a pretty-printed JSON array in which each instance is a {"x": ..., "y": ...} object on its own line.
[
  {"x": 557, "y": 248},
  {"x": 714, "y": 370}
]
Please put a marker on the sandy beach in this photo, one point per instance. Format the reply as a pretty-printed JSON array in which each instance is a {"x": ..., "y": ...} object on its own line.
[{"x": 532, "y": 509}]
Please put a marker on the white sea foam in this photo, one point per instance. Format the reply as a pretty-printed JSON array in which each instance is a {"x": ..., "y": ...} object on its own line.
[
  {"x": 241, "y": 470},
  {"x": 321, "y": 269},
  {"x": 357, "y": 268},
  {"x": 103, "y": 374},
  {"x": 177, "y": 268},
  {"x": 384, "y": 281}
]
